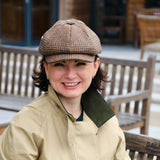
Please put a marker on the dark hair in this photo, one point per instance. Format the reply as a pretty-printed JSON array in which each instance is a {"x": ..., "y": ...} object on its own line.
[{"x": 40, "y": 79}]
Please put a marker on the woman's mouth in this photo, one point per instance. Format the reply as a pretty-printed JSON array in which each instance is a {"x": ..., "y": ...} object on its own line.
[{"x": 71, "y": 84}]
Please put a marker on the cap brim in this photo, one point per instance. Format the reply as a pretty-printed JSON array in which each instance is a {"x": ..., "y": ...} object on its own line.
[{"x": 61, "y": 57}]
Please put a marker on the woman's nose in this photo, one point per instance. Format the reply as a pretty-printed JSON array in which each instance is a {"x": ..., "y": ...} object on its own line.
[{"x": 70, "y": 72}]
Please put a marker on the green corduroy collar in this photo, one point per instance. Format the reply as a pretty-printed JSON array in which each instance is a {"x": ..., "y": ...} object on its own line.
[{"x": 96, "y": 107}]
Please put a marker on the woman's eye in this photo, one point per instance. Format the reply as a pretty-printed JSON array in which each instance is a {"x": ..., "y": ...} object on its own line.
[
  {"x": 81, "y": 64},
  {"x": 58, "y": 64}
]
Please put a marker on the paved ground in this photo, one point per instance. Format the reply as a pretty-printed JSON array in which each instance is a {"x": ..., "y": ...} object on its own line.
[{"x": 129, "y": 52}]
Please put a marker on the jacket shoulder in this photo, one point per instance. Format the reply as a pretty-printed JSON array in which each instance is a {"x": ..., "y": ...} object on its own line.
[{"x": 33, "y": 116}]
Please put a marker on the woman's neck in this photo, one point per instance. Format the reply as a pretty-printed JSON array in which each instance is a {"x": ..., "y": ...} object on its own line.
[{"x": 72, "y": 105}]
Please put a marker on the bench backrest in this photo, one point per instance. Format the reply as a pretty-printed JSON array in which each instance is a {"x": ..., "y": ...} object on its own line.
[
  {"x": 142, "y": 147},
  {"x": 16, "y": 68},
  {"x": 130, "y": 76}
]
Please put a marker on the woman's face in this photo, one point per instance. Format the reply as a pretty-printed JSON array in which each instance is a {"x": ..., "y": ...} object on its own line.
[{"x": 71, "y": 78}]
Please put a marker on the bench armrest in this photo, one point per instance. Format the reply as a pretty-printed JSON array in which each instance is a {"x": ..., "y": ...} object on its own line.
[{"x": 115, "y": 100}]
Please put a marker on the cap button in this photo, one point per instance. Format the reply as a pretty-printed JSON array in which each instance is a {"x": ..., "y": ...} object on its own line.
[{"x": 70, "y": 22}]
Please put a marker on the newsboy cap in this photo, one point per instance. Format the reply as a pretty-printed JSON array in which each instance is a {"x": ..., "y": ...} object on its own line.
[{"x": 69, "y": 39}]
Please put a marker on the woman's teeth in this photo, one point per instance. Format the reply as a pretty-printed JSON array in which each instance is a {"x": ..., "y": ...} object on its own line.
[{"x": 70, "y": 84}]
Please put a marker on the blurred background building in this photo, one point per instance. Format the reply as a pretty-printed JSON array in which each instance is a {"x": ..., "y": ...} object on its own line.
[{"x": 22, "y": 22}]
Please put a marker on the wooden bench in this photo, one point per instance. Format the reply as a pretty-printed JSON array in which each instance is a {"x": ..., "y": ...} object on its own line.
[
  {"x": 16, "y": 85},
  {"x": 142, "y": 147},
  {"x": 129, "y": 90}
]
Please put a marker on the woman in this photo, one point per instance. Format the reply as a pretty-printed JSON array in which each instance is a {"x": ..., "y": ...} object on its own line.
[{"x": 71, "y": 120}]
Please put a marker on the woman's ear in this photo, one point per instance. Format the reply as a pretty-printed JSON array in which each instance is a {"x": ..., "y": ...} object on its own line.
[
  {"x": 46, "y": 68},
  {"x": 96, "y": 65}
]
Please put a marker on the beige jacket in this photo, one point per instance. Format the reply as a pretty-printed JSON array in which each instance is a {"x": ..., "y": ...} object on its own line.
[{"x": 43, "y": 130}]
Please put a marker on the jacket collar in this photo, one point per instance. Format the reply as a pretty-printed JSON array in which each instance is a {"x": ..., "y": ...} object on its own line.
[
  {"x": 55, "y": 99},
  {"x": 96, "y": 107},
  {"x": 93, "y": 104}
]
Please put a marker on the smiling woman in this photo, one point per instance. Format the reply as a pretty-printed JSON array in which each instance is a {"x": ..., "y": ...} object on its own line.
[
  {"x": 71, "y": 120},
  {"x": 70, "y": 79}
]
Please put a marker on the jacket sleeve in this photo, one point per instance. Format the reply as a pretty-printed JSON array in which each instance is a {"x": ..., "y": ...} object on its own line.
[
  {"x": 17, "y": 144},
  {"x": 121, "y": 152}
]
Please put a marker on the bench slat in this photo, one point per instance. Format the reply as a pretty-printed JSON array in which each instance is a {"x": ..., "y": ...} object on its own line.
[{"x": 13, "y": 103}]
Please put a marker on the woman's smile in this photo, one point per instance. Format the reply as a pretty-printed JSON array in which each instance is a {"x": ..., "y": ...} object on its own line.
[{"x": 73, "y": 84}]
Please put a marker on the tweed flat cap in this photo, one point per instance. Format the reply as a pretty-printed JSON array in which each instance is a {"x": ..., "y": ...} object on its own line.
[{"x": 69, "y": 39}]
